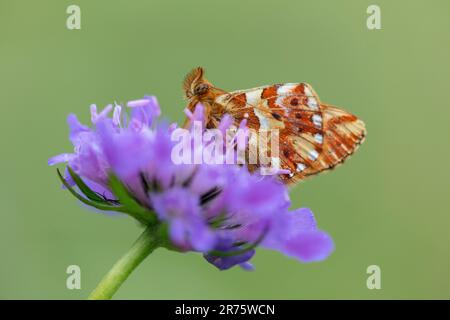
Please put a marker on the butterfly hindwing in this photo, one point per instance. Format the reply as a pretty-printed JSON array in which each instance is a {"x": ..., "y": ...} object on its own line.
[{"x": 313, "y": 137}]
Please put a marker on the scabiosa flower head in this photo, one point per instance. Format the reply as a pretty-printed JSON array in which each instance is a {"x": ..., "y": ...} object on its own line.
[{"x": 125, "y": 163}]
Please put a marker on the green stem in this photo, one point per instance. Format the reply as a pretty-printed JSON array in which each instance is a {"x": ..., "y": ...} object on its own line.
[{"x": 144, "y": 245}]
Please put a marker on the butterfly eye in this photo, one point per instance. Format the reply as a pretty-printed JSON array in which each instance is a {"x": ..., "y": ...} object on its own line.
[{"x": 201, "y": 89}]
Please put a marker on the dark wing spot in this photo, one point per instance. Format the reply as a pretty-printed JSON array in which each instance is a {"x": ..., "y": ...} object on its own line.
[
  {"x": 276, "y": 116},
  {"x": 294, "y": 102}
]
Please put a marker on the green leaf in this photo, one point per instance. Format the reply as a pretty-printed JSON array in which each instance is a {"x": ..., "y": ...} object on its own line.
[
  {"x": 84, "y": 188},
  {"x": 91, "y": 203},
  {"x": 129, "y": 203},
  {"x": 144, "y": 216}
]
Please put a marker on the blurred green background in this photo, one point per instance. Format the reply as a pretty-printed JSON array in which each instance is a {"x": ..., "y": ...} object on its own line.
[{"x": 387, "y": 206}]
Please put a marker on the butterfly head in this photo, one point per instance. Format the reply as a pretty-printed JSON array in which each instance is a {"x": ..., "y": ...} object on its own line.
[{"x": 196, "y": 88}]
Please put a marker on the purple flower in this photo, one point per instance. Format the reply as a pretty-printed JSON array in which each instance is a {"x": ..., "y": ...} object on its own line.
[
  {"x": 182, "y": 210},
  {"x": 125, "y": 163}
]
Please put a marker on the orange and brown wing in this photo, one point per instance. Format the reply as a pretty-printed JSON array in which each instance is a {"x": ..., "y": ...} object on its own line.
[
  {"x": 311, "y": 152},
  {"x": 313, "y": 137}
]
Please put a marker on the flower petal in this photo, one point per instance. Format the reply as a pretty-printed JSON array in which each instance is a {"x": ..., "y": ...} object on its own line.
[
  {"x": 76, "y": 128},
  {"x": 226, "y": 244},
  {"x": 63, "y": 157},
  {"x": 127, "y": 152},
  {"x": 310, "y": 246},
  {"x": 224, "y": 263},
  {"x": 145, "y": 110}
]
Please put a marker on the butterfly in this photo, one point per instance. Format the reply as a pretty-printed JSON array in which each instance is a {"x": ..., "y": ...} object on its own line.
[{"x": 313, "y": 136}]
